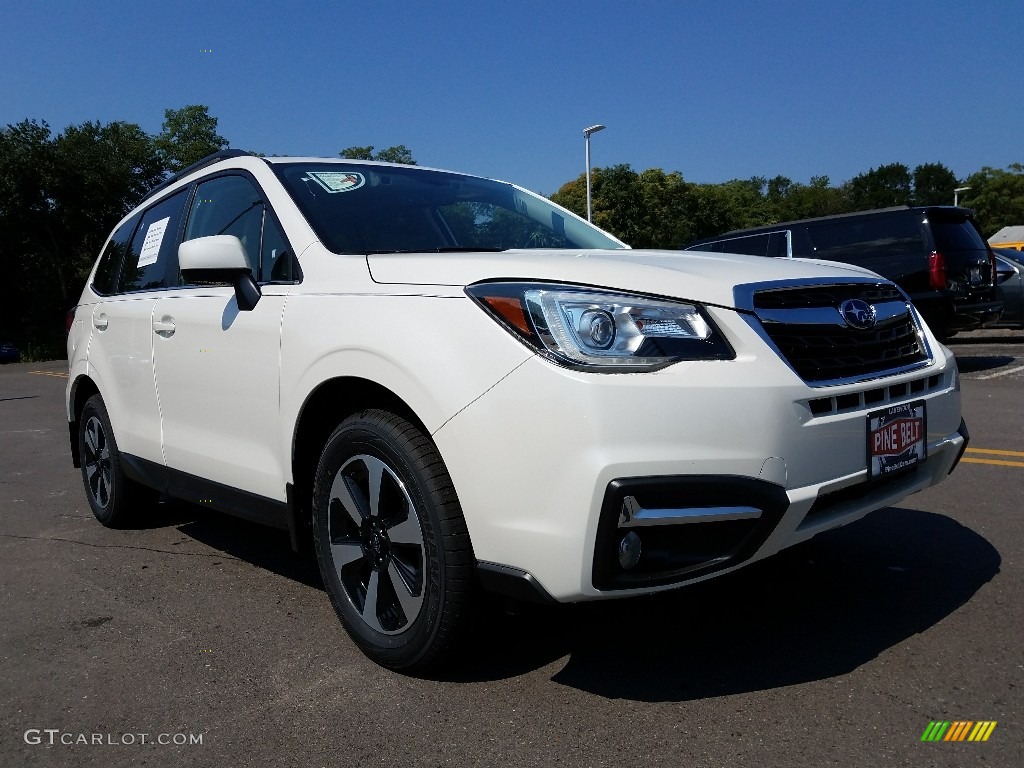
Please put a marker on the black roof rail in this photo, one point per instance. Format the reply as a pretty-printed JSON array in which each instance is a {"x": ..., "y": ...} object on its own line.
[{"x": 223, "y": 154}]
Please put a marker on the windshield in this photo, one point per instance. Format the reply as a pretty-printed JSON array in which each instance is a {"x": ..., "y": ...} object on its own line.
[{"x": 356, "y": 208}]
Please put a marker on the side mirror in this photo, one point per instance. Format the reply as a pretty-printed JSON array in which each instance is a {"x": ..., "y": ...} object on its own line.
[{"x": 220, "y": 259}]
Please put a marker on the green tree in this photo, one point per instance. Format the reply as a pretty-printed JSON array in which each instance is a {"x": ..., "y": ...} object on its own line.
[
  {"x": 59, "y": 198},
  {"x": 357, "y": 153},
  {"x": 189, "y": 134},
  {"x": 807, "y": 201},
  {"x": 880, "y": 187},
  {"x": 664, "y": 197},
  {"x": 398, "y": 154},
  {"x": 997, "y": 197},
  {"x": 933, "y": 184},
  {"x": 645, "y": 210},
  {"x": 573, "y": 195}
]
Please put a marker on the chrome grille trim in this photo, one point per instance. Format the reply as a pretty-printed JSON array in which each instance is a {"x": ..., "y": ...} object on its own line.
[{"x": 800, "y": 320}]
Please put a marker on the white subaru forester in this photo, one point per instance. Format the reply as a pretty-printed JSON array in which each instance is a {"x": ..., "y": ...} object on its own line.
[{"x": 446, "y": 383}]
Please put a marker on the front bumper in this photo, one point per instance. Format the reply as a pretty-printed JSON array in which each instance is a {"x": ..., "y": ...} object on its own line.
[{"x": 543, "y": 461}]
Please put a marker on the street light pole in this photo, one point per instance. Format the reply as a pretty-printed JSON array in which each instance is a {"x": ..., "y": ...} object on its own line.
[
  {"x": 956, "y": 195},
  {"x": 586, "y": 135}
]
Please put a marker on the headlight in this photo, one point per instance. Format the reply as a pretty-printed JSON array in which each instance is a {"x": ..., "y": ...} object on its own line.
[{"x": 599, "y": 330}]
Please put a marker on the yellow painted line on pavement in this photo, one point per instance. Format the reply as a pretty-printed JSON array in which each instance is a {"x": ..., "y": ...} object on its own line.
[
  {"x": 993, "y": 462},
  {"x": 50, "y": 373},
  {"x": 996, "y": 452}
]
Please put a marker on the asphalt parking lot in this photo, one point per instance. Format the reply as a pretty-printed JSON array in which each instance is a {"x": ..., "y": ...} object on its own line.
[{"x": 201, "y": 640}]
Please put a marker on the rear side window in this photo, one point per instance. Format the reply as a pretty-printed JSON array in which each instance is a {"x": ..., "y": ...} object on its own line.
[
  {"x": 152, "y": 255},
  {"x": 104, "y": 282},
  {"x": 878, "y": 236},
  {"x": 956, "y": 236},
  {"x": 772, "y": 244}
]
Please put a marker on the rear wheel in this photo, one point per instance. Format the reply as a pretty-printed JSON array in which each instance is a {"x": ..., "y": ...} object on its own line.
[
  {"x": 391, "y": 541},
  {"x": 113, "y": 497}
]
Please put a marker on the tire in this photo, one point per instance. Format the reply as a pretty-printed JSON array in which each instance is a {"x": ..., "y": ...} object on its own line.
[
  {"x": 391, "y": 541},
  {"x": 114, "y": 498}
]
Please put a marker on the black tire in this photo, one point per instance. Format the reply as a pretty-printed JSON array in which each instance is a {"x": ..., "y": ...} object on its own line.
[
  {"x": 114, "y": 498},
  {"x": 399, "y": 568}
]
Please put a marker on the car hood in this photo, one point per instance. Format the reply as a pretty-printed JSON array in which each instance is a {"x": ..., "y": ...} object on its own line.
[{"x": 705, "y": 277}]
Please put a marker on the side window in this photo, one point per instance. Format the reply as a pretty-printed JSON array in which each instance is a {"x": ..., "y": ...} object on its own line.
[
  {"x": 778, "y": 245},
  {"x": 276, "y": 262},
  {"x": 153, "y": 248},
  {"x": 104, "y": 282},
  {"x": 870, "y": 237},
  {"x": 228, "y": 205},
  {"x": 752, "y": 245}
]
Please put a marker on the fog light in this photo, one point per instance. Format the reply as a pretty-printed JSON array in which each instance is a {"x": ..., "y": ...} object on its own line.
[{"x": 629, "y": 550}]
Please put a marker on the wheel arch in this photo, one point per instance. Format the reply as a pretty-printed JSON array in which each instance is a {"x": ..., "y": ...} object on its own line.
[
  {"x": 82, "y": 388},
  {"x": 330, "y": 403}
]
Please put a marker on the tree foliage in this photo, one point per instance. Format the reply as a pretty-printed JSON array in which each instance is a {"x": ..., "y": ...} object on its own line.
[
  {"x": 933, "y": 184},
  {"x": 400, "y": 154},
  {"x": 881, "y": 187},
  {"x": 60, "y": 196},
  {"x": 189, "y": 134},
  {"x": 655, "y": 209},
  {"x": 997, "y": 197}
]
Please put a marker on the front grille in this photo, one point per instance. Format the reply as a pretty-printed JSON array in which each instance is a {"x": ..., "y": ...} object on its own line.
[
  {"x": 825, "y": 296},
  {"x": 806, "y": 326}
]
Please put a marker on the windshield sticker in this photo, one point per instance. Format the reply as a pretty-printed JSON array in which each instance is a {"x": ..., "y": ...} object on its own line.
[
  {"x": 338, "y": 181},
  {"x": 151, "y": 244}
]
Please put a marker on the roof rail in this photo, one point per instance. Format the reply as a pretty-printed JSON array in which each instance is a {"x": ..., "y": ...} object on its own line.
[{"x": 223, "y": 154}]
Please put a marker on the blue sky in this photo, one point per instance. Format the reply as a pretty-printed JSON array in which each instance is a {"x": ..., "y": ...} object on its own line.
[{"x": 713, "y": 89}]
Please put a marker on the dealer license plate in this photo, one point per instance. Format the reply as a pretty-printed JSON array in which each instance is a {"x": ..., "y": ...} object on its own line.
[{"x": 897, "y": 439}]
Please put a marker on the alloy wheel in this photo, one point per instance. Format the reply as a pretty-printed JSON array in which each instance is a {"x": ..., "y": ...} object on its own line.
[{"x": 376, "y": 544}]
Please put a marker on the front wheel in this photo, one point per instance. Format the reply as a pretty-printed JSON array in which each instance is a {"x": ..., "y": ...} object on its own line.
[{"x": 391, "y": 541}]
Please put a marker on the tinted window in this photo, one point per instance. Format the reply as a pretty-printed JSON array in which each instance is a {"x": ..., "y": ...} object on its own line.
[
  {"x": 233, "y": 205},
  {"x": 373, "y": 209},
  {"x": 752, "y": 245},
  {"x": 276, "y": 262},
  {"x": 875, "y": 236},
  {"x": 771, "y": 244},
  {"x": 228, "y": 205},
  {"x": 956, "y": 236},
  {"x": 153, "y": 249},
  {"x": 104, "y": 281}
]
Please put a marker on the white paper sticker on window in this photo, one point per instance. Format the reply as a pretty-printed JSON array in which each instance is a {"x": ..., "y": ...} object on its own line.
[
  {"x": 151, "y": 245},
  {"x": 338, "y": 181}
]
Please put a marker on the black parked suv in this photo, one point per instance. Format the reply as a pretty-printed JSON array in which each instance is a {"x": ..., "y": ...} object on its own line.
[{"x": 935, "y": 253}]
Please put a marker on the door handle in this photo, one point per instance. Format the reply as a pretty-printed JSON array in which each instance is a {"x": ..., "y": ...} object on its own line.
[
  {"x": 100, "y": 321},
  {"x": 164, "y": 326}
]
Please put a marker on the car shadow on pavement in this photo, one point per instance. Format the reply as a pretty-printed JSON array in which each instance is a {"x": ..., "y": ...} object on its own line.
[
  {"x": 988, "y": 339},
  {"x": 263, "y": 546},
  {"x": 975, "y": 363},
  {"x": 816, "y": 611}
]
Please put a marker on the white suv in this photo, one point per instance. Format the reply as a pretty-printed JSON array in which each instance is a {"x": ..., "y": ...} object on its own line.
[{"x": 447, "y": 383}]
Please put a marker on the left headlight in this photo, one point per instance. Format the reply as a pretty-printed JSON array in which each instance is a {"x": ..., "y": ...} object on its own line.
[{"x": 594, "y": 329}]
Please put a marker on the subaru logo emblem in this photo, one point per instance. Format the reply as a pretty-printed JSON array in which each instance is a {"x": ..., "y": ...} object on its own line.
[{"x": 858, "y": 314}]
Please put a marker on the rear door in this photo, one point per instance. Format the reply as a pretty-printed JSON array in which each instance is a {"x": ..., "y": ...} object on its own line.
[{"x": 121, "y": 344}]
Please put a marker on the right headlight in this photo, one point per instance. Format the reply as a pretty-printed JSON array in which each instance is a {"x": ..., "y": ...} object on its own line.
[{"x": 600, "y": 330}]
